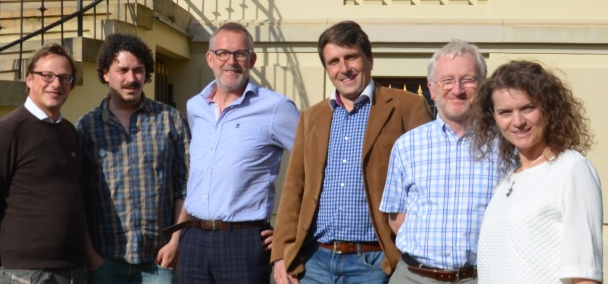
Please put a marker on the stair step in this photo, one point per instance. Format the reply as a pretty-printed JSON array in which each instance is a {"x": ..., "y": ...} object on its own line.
[
  {"x": 28, "y": 4},
  {"x": 8, "y": 15},
  {"x": 52, "y": 35}
]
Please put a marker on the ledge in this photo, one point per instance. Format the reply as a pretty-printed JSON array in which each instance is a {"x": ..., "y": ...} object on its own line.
[{"x": 13, "y": 93}]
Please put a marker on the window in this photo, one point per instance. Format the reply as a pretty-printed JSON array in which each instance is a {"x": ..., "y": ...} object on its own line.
[
  {"x": 416, "y": 85},
  {"x": 163, "y": 90}
]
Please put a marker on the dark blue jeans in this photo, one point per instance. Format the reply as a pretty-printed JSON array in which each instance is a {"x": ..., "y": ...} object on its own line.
[
  {"x": 120, "y": 272},
  {"x": 326, "y": 267}
]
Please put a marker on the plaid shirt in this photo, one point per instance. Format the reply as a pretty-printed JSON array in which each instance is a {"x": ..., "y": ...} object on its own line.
[
  {"x": 133, "y": 177},
  {"x": 444, "y": 191},
  {"x": 343, "y": 213}
]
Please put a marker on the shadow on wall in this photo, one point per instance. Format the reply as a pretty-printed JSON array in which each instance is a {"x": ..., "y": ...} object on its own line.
[{"x": 223, "y": 11}]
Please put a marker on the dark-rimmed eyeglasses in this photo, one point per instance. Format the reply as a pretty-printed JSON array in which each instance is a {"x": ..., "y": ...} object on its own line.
[
  {"x": 465, "y": 83},
  {"x": 224, "y": 55},
  {"x": 50, "y": 77}
]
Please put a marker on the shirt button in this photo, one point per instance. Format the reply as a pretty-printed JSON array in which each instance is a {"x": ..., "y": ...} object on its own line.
[
  {"x": 342, "y": 184},
  {"x": 346, "y": 138},
  {"x": 344, "y": 161},
  {"x": 204, "y": 196}
]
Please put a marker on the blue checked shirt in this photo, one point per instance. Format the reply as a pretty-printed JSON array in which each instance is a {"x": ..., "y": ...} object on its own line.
[
  {"x": 343, "y": 213},
  {"x": 235, "y": 154},
  {"x": 133, "y": 178},
  {"x": 444, "y": 191}
]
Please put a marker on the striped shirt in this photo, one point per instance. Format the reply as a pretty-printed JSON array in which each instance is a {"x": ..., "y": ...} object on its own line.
[
  {"x": 343, "y": 213},
  {"x": 444, "y": 191},
  {"x": 134, "y": 177}
]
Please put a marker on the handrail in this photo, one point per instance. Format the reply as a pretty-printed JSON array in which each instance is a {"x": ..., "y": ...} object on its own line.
[{"x": 56, "y": 23}]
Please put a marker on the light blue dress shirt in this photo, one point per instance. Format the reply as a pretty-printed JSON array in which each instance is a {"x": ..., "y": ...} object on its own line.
[
  {"x": 444, "y": 190},
  {"x": 235, "y": 157}
]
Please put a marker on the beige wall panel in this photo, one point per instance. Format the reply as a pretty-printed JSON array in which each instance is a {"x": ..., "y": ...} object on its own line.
[
  {"x": 286, "y": 56},
  {"x": 168, "y": 40},
  {"x": 396, "y": 65},
  {"x": 562, "y": 32},
  {"x": 213, "y": 10},
  {"x": 187, "y": 78},
  {"x": 304, "y": 85},
  {"x": 86, "y": 97}
]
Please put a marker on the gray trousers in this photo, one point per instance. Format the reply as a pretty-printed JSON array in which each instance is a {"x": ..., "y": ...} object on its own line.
[
  {"x": 70, "y": 275},
  {"x": 403, "y": 275}
]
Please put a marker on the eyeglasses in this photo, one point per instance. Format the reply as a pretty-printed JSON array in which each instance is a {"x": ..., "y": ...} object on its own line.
[
  {"x": 50, "y": 77},
  {"x": 465, "y": 83},
  {"x": 224, "y": 55}
]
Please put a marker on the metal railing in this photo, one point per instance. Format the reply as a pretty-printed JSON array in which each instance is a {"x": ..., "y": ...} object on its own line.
[{"x": 43, "y": 29}]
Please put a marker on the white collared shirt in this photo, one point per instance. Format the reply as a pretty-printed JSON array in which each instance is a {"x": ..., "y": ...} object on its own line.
[
  {"x": 367, "y": 92},
  {"x": 36, "y": 111}
]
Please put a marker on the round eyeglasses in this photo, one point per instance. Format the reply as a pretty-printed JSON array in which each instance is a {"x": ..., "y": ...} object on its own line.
[{"x": 465, "y": 83}]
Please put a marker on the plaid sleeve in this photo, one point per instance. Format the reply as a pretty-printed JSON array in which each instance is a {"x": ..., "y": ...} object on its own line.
[
  {"x": 395, "y": 192},
  {"x": 182, "y": 157}
]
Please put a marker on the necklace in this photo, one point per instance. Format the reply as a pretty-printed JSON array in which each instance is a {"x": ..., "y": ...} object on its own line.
[{"x": 542, "y": 155}]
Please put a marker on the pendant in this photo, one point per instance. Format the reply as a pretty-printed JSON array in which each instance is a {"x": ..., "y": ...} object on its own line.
[{"x": 510, "y": 191}]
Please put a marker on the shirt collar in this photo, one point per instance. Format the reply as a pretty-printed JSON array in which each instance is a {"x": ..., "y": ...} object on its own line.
[
  {"x": 37, "y": 112},
  {"x": 105, "y": 111},
  {"x": 368, "y": 92},
  {"x": 208, "y": 92},
  {"x": 447, "y": 130}
]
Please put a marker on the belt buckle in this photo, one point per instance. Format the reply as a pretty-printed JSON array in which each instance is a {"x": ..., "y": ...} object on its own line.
[
  {"x": 213, "y": 225},
  {"x": 336, "y": 248}
]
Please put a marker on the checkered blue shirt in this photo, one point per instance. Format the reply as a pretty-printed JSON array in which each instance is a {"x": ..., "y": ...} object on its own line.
[
  {"x": 444, "y": 191},
  {"x": 134, "y": 176},
  {"x": 343, "y": 213}
]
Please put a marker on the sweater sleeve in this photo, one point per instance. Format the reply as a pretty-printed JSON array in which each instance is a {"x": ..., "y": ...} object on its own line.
[{"x": 7, "y": 164}]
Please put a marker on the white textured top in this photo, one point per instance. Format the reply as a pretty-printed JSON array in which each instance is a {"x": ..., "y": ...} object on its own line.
[{"x": 549, "y": 230}]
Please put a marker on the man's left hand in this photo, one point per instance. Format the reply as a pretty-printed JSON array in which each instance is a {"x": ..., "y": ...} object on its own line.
[
  {"x": 267, "y": 238},
  {"x": 168, "y": 255}
]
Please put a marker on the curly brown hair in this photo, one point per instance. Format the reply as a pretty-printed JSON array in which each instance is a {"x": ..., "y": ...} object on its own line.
[
  {"x": 116, "y": 43},
  {"x": 566, "y": 126}
]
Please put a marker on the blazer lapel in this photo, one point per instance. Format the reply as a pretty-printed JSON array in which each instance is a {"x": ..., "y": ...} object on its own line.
[
  {"x": 320, "y": 132},
  {"x": 379, "y": 113}
]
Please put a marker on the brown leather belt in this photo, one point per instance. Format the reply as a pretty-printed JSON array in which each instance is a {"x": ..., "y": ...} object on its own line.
[
  {"x": 346, "y": 247},
  {"x": 439, "y": 274},
  {"x": 213, "y": 225}
]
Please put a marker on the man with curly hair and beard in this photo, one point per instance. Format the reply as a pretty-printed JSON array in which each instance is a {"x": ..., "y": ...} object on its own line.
[{"x": 135, "y": 156}]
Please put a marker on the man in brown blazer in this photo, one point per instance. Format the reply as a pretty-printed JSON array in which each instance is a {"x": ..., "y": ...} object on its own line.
[{"x": 329, "y": 227}]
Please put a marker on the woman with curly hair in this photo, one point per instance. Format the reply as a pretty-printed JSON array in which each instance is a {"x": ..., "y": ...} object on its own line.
[{"x": 544, "y": 223}]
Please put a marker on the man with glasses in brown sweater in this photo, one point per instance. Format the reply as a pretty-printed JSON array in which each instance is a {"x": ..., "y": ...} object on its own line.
[{"x": 42, "y": 226}]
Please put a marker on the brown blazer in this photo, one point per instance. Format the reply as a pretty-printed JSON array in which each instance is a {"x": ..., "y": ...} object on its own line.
[{"x": 393, "y": 112}]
